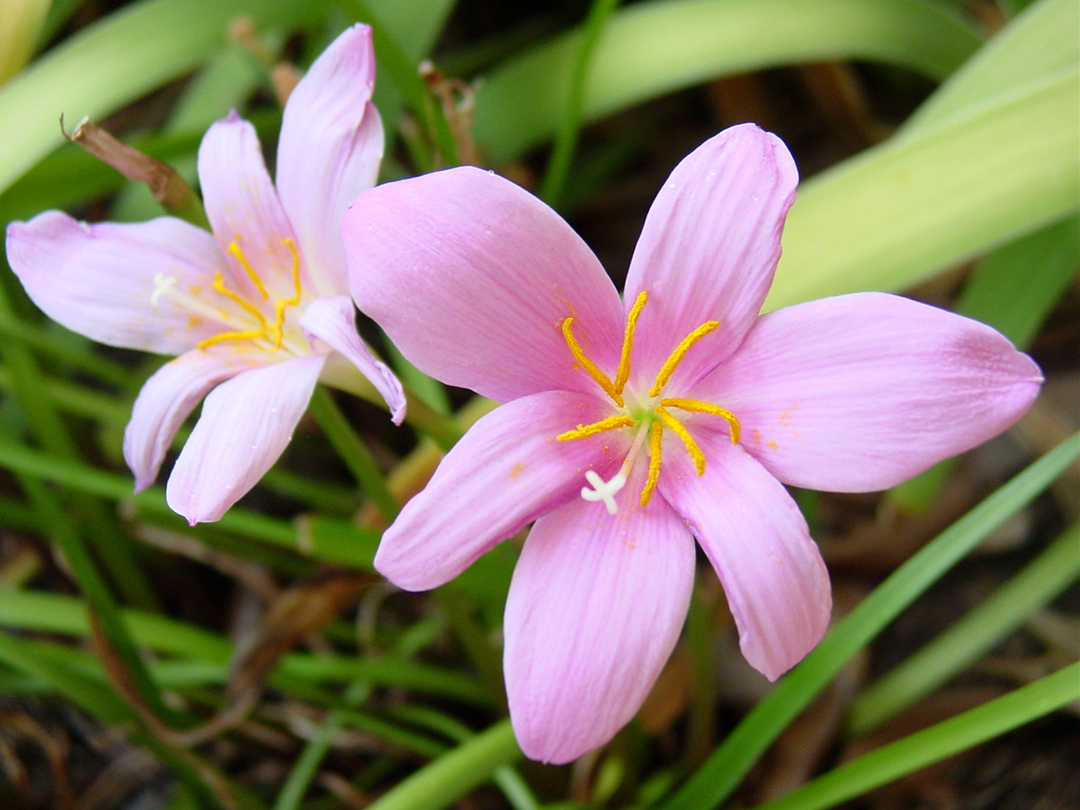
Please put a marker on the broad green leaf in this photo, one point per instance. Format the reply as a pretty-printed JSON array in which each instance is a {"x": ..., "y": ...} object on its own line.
[
  {"x": 1015, "y": 287},
  {"x": 896, "y": 213},
  {"x": 21, "y": 24},
  {"x": 1043, "y": 40},
  {"x": 414, "y": 24},
  {"x": 113, "y": 62},
  {"x": 652, "y": 48}
]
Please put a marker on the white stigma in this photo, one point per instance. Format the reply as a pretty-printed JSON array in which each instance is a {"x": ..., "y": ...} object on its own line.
[
  {"x": 162, "y": 284},
  {"x": 603, "y": 490}
]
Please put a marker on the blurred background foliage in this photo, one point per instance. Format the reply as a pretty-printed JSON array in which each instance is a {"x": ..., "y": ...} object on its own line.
[{"x": 258, "y": 662}]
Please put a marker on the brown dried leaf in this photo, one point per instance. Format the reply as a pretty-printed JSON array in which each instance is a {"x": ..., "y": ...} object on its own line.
[
  {"x": 299, "y": 611},
  {"x": 168, "y": 187}
]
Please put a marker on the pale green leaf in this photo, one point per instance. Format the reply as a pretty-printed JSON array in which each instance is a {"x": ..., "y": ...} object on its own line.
[
  {"x": 896, "y": 213},
  {"x": 648, "y": 49}
]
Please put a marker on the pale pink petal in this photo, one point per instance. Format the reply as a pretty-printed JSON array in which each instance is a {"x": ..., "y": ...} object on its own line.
[
  {"x": 472, "y": 277},
  {"x": 595, "y": 607},
  {"x": 245, "y": 212},
  {"x": 709, "y": 248},
  {"x": 332, "y": 320},
  {"x": 114, "y": 283},
  {"x": 244, "y": 427},
  {"x": 863, "y": 391},
  {"x": 506, "y": 471},
  {"x": 165, "y": 402},
  {"x": 330, "y": 147},
  {"x": 757, "y": 540}
]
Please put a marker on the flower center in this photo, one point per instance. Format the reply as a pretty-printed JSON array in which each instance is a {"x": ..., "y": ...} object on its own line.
[
  {"x": 647, "y": 419},
  {"x": 261, "y": 320}
]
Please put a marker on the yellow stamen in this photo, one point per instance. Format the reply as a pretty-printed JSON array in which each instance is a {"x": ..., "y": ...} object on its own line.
[
  {"x": 655, "y": 438},
  {"x": 251, "y": 309},
  {"x": 680, "y": 351},
  {"x": 697, "y": 406},
  {"x": 234, "y": 250},
  {"x": 612, "y": 422},
  {"x": 587, "y": 364},
  {"x": 284, "y": 303},
  {"x": 251, "y": 334},
  {"x": 688, "y": 440},
  {"x": 628, "y": 342}
]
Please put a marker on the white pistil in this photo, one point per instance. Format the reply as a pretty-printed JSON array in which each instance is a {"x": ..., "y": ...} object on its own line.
[
  {"x": 162, "y": 285},
  {"x": 603, "y": 490}
]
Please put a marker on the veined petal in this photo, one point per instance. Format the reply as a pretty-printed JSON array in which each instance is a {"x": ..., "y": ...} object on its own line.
[
  {"x": 332, "y": 320},
  {"x": 506, "y": 471},
  {"x": 757, "y": 540},
  {"x": 244, "y": 210},
  {"x": 860, "y": 392},
  {"x": 330, "y": 147},
  {"x": 472, "y": 277},
  {"x": 244, "y": 427},
  {"x": 165, "y": 402},
  {"x": 111, "y": 281},
  {"x": 709, "y": 248},
  {"x": 595, "y": 607}
]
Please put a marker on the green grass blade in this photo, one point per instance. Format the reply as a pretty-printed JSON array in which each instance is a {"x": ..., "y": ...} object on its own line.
[
  {"x": 935, "y": 743},
  {"x": 353, "y": 452},
  {"x": 1043, "y": 579},
  {"x": 54, "y": 613},
  {"x": 446, "y": 779},
  {"x": 296, "y": 785},
  {"x": 652, "y": 48},
  {"x": 729, "y": 763},
  {"x": 26, "y": 656},
  {"x": 570, "y": 121}
]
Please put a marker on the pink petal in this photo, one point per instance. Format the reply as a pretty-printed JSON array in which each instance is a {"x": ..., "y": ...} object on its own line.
[
  {"x": 757, "y": 540},
  {"x": 507, "y": 470},
  {"x": 709, "y": 248},
  {"x": 863, "y": 391},
  {"x": 244, "y": 427},
  {"x": 330, "y": 147},
  {"x": 165, "y": 402},
  {"x": 99, "y": 280},
  {"x": 244, "y": 210},
  {"x": 471, "y": 277},
  {"x": 332, "y": 320},
  {"x": 595, "y": 607}
]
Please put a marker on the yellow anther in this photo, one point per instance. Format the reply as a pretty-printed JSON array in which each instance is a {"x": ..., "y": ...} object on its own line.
[
  {"x": 587, "y": 364},
  {"x": 623, "y": 373},
  {"x": 680, "y": 351},
  {"x": 284, "y": 303},
  {"x": 250, "y": 334},
  {"x": 697, "y": 406},
  {"x": 612, "y": 422},
  {"x": 234, "y": 250},
  {"x": 655, "y": 441},
  {"x": 680, "y": 430},
  {"x": 251, "y": 309}
]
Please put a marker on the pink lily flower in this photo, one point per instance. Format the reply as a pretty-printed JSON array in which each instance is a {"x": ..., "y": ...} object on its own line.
[
  {"x": 258, "y": 311},
  {"x": 682, "y": 412}
]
